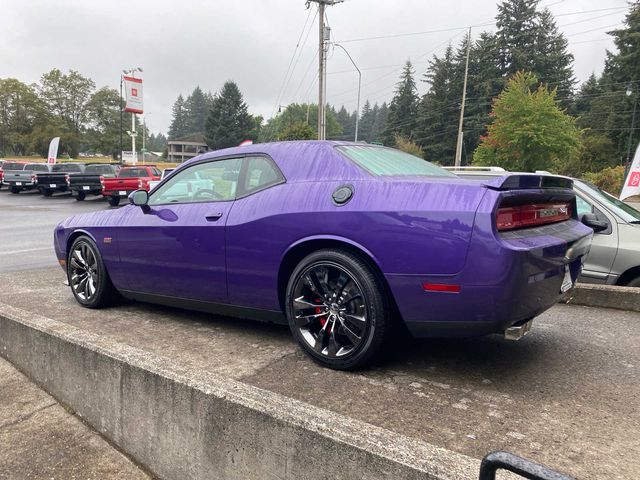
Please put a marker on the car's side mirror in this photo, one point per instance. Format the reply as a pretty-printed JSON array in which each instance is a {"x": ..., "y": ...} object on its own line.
[
  {"x": 591, "y": 220},
  {"x": 139, "y": 198}
]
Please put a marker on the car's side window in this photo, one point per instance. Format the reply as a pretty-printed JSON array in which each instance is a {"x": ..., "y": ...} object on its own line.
[
  {"x": 583, "y": 206},
  {"x": 213, "y": 181},
  {"x": 260, "y": 173}
]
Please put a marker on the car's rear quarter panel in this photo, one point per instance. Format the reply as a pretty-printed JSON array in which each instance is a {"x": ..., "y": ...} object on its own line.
[{"x": 406, "y": 227}]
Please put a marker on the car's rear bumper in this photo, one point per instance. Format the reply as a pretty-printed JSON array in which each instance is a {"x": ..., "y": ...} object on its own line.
[
  {"x": 21, "y": 185},
  {"x": 505, "y": 281},
  {"x": 117, "y": 193}
]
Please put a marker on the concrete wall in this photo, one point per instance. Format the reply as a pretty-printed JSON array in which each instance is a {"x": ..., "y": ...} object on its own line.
[
  {"x": 185, "y": 425},
  {"x": 605, "y": 296}
]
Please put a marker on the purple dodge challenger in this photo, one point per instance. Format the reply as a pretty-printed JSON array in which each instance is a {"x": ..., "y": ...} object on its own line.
[{"x": 339, "y": 240}]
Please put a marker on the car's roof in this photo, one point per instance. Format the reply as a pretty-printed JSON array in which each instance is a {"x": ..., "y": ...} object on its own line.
[{"x": 300, "y": 160}]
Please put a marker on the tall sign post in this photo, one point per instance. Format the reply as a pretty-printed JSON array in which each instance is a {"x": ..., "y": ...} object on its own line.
[{"x": 133, "y": 103}]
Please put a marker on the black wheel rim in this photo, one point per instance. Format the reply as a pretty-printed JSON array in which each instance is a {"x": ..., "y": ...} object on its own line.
[
  {"x": 83, "y": 269},
  {"x": 330, "y": 310}
]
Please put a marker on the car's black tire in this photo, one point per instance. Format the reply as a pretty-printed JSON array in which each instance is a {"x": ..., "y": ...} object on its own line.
[
  {"x": 80, "y": 196},
  {"x": 85, "y": 262},
  {"x": 47, "y": 192},
  {"x": 114, "y": 201},
  {"x": 347, "y": 313},
  {"x": 635, "y": 282},
  {"x": 15, "y": 190}
]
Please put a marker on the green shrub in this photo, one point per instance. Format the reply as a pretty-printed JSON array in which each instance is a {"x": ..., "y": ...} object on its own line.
[{"x": 609, "y": 179}]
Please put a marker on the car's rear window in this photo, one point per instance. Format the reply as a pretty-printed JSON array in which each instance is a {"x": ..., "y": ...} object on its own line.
[
  {"x": 99, "y": 169},
  {"x": 383, "y": 161},
  {"x": 134, "y": 172},
  {"x": 38, "y": 167},
  {"x": 12, "y": 166},
  {"x": 66, "y": 167}
]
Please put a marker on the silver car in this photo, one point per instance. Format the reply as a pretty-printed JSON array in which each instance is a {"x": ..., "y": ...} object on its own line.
[
  {"x": 615, "y": 251},
  {"x": 614, "y": 258}
]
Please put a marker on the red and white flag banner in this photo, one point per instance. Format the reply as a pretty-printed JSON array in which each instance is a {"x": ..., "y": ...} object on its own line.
[
  {"x": 53, "y": 150},
  {"x": 632, "y": 182},
  {"x": 133, "y": 94}
]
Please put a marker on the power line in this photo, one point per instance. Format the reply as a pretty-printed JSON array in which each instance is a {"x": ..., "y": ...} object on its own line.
[
  {"x": 451, "y": 29},
  {"x": 286, "y": 78}
]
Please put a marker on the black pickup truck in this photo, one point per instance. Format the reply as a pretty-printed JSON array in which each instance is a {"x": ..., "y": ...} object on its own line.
[
  {"x": 56, "y": 180},
  {"x": 88, "y": 182}
]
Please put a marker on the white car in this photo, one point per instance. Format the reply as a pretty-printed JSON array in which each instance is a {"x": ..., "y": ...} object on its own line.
[{"x": 165, "y": 174}]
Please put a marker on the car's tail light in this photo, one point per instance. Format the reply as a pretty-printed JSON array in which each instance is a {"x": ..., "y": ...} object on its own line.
[
  {"x": 34, "y": 178},
  {"x": 101, "y": 180},
  {"x": 522, "y": 216},
  {"x": 67, "y": 179},
  {"x": 143, "y": 184}
]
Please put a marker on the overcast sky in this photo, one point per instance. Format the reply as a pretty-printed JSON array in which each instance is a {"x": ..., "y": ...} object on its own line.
[{"x": 181, "y": 44}]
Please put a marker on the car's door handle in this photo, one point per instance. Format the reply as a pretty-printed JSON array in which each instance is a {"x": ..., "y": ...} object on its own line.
[{"x": 213, "y": 217}]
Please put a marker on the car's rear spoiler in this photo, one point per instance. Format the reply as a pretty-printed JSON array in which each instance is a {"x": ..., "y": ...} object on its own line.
[{"x": 525, "y": 181}]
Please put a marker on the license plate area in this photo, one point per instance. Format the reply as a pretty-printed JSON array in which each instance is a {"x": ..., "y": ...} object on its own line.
[
  {"x": 52, "y": 185},
  {"x": 86, "y": 187},
  {"x": 123, "y": 193}
]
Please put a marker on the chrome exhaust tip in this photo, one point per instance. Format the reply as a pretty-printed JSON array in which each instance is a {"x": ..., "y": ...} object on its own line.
[{"x": 516, "y": 332}]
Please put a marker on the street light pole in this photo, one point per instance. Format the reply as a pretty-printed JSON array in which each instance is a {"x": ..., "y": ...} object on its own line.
[
  {"x": 633, "y": 120},
  {"x": 359, "y": 85},
  {"x": 121, "y": 108}
]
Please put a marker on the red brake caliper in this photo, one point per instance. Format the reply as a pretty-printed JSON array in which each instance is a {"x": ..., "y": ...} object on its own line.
[{"x": 323, "y": 320}]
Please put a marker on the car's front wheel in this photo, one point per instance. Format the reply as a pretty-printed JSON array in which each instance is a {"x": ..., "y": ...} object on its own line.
[
  {"x": 337, "y": 309},
  {"x": 87, "y": 275}
]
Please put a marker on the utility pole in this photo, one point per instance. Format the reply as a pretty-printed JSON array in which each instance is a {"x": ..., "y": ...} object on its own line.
[
  {"x": 458, "y": 160},
  {"x": 323, "y": 35}
]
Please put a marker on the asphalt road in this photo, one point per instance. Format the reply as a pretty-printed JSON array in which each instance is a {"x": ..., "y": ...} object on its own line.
[
  {"x": 567, "y": 395},
  {"x": 27, "y": 221}
]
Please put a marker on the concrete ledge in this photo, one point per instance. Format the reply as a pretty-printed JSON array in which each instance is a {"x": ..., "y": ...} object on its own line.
[
  {"x": 182, "y": 424},
  {"x": 605, "y": 296}
]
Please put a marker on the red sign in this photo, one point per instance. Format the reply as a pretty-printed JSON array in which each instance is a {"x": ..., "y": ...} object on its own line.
[{"x": 634, "y": 179}]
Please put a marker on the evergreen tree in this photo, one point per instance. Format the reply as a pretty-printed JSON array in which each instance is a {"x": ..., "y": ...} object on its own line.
[
  {"x": 367, "y": 120},
  {"x": 197, "y": 109},
  {"x": 403, "y": 108},
  {"x": 178, "y": 127},
  {"x": 529, "y": 40},
  {"x": 438, "y": 110},
  {"x": 614, "y": 108},
  {"x": 229, "y": 122},
  {"x": 348, "y": 123},
  {"x": 380, "y": 120}
]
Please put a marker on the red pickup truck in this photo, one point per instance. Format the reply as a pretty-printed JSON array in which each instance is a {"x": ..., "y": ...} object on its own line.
[{"x": 128, "y": 180}]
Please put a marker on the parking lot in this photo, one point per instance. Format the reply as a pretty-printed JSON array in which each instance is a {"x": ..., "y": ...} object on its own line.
[{"x": 566, "y": 395}]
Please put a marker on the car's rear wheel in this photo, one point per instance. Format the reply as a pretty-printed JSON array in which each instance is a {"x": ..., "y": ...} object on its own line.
[
  {"x": 15, "y": 190},
  {"x": 80, "y": 196},
  {"x": 114, "y": 201},
  {"x": 87, "y": 275},
  {"x": 337, "y": 309},
  {"x": 47, "y": 192}
]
